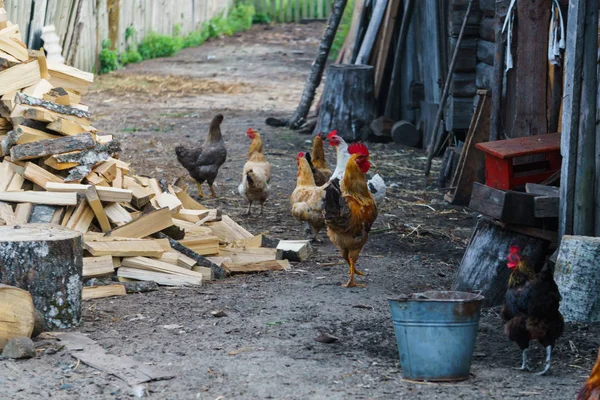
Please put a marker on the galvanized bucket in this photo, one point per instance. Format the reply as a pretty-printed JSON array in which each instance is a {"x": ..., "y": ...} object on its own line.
[{"x": 436, "y": 332}]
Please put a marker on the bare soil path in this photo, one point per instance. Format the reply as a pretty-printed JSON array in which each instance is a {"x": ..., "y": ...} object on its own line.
[{"x": 264, "y": 348}]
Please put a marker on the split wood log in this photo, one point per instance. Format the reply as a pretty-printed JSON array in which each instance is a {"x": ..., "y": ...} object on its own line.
[
  {"x": 45, "y": 260},
  {"x": 217, "y": 271},
  {"x": 51, "y": 146},
  {"x": 578, "y": 278},
  {"x": 483, "y": 267},
  {"x": 17, "y": 314},
  {"x": 293, "y": 250},
  {"x": 316, "y": 72},
  {"x": 348, "y": 101},
  {"x": 48, "y": 105}
]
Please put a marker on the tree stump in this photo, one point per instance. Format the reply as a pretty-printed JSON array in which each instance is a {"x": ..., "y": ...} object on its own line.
[
  {"x": 578, "y": 278},
  {"x": 46, "y": 260},
  {"x": 17, "y": 315},
  {"x": 405, "y": 133},
  {"x": 348, "y": 101},
  {"x": 483, "y": 266}
]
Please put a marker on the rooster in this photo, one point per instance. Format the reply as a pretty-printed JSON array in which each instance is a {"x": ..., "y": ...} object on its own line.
[
  {"x": 307, "y": 198},
  {"x": 320, "y": 171},
  {"x": 376, "y": 184},
  {"x": 349, "y": 209},
  {"x": 530, "y": 309},
  {"x": 591, "y": 389},
  {"x": 256, "y": 174},
  {"x": 203, "y": 162}
]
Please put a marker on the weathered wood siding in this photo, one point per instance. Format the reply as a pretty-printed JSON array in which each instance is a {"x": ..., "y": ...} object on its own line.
[{"x": 83, "y": 25}]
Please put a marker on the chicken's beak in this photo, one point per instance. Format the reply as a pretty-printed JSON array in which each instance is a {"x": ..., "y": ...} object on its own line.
[{"x": 372, "y": 163}]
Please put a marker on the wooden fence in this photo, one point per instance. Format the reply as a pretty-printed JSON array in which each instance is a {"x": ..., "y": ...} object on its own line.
[
  {"x": 293, "y": 10},
  {"x": 83, "y": 25}
]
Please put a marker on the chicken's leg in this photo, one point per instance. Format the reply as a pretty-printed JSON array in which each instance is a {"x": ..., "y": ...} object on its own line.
[
  {"x": 525, "y": 365},
  {"x": 262, "y": 203},
  {"x": 212, "y": 191},
  {"x": 351, "y": 282},
  {"x": 200, "y": 193},
  {"x": 249, "y": 212},
  {"x": 548, "y": 358}
]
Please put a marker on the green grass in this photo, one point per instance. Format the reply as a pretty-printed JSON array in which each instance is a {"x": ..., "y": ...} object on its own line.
[{"x": 343, "y": 29}]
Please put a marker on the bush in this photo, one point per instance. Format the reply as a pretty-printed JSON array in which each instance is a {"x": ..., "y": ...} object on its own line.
[
  {"x": 155, "y": 46},
  {"x": 109, "y": 59}
]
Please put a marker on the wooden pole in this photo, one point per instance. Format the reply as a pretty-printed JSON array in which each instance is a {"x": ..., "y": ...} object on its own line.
[
  {"x": 437, "y": 139},
  {"x": 498, "y": 83},
  {"x": 570, "y": 115},
  {"x": 583, "y": 217},
  {"x": 369, "y": 39},
  {"x": 395, "y": 79}
]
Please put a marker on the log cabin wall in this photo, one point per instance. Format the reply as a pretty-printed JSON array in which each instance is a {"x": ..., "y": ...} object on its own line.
[{"x": 83, "y": 25}]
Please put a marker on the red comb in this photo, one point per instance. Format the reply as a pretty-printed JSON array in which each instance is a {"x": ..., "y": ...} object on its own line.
[
  {"x": 300, "y": 155},
  {"x": 514, "y": 249},
  {"x": 332, "y": 134},
  {"x": 250, "y": 130},
  {"x": 358, "y": 148}
]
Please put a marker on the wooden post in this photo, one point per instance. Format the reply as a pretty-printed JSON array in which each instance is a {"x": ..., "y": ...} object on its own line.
[
  {"x": 583, "y": 217},
  {"x": 570, "y": 116},
  {"x": 47, "y": 261},
  {"x": 369, "y": 39},
  {"x": 496, "y": 116}
]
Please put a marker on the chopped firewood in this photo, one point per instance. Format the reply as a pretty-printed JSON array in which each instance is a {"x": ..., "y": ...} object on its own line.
[
  {"x": 294, "y": 250},
  {"x": 43, "y": 214},
  {"x": 96, "y": 179},
  {"x": 146, "y": 225},
  {"x": 69, "y": 128},
  {"x": 58, "y": 96},
  {"x": 188, "y": 202},
  {"x": 185, "y": 261},
  {"x": 94, "y": 267},
  {"x": 40, "y": 176},
  {"x": 98, "y": 292},
  {"x": 191, "y": 215},
  {"x": 17, "y": 314},
  {"x": 82, "y": 217},
  {"x": 117, "y": 214},
  {"x": 3, "y": 23},
  {"x": 239, "y": 256},
  {"x": 118, "y": 181},
  {"x": 24, "y": 134},
  {"x": 51, "y": 146},
  {"x": 170, "y": 257},
  {"x": 96, "y": 205},
  {"x": 20, "y": 76},
  {"x": 192, "y": 229},
  {"x": 13, "y": 47},
  {"x": 7, "y": 216},
  {"x": 228, "y": 230},
  {"x": 149, "y": 264},
  {"x": 124, "y": 248},
  {"x": 70, "y": 78},
  {"x": 107, "y": 169},
  {"x": 16, "y": 183},
  {"x": 43, "y": 115},
  {"x": 39, "y": 89},
  {"x": 108, "y": 194},
  {"x": 205, "y": 246},
  {"x": 207, "y": 274},
  {"x": 219, "y": 260},
  {"x": 141, "y": 195},
  {"x": 170, "y": 201},
  {"x": 259, "y": 266},
  {"x": 22, "y": 212},
  {"x": 53, "y": 163},
  {"x": 64, "y": 111},
  {"x": 59, "y": 199},
  {"x": 159, "y": 277},
  {"x": 254, "y": 242},
  {"x": 214, "y": 215}
]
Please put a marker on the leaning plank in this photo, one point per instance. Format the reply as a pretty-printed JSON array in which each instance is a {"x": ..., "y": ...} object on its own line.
[
  {"x": 260, "y": 266},
  {"x": 96, "y": 205},
  {"x": 108, "y": 194},
  {"x": 57, "y": 199},
  {"x": 369, "y": 40},
  {"x": 578, "y": 278},
  {"x": 125, "y": 368},
  {"x": 99, "y": 292},
  {"x": 146, "y": 225},
  {"x": 20, "y": 76},
  {"x": 159, "y": 277},
  {"x": 39, "y": 175},
  {"x": 52, "y": 146},
  {"x": 124, "y": 248},
  {"x": 98, "y": 266}
]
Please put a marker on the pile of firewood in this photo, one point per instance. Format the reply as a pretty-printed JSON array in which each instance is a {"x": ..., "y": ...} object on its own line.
[{"x": 56, "y": 168}]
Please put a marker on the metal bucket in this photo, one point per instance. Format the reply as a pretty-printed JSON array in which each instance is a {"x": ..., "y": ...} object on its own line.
[{"x": 436, "y": 333}]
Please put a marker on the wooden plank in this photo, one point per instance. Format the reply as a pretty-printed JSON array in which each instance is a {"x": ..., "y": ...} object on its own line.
[
  {"x": 351, "y": 37},
  {"x": 99, "y": 292},
  {"x": 117, "y": 214},
  {"x": 522, "y": 146},
  {"x": 58, "y": 199},
  {"x": 158, "y": 277},
  {"x": 388, "y": 28},
  {"x": 253, "y": 267},
  {"x": 371, "y": 34},
  {"x": 96, "y": 205},
  {"x": 107, "y": 194},
  {"x": 20, "y": 76},
  {"x": 510, "y": 206},
  {"x": 94, "y": 267},
  {"x": 146, "y": 225},
  {"x": 542, "y": 190},
  {"x": 124, "y": 248},
  {"x": 149, "y": 264},
  {"x": 22, "y": 212}
]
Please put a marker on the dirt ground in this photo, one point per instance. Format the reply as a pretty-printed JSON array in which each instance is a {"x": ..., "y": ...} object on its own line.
[{"x": 264, "y": 347}]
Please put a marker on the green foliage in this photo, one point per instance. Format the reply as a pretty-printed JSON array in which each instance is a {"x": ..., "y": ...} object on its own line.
[
  {"x": 109, "y": 59},
  {"x": 130, "y": 56},
  {"x": 343, "y": 29},
  {"x": 129, "y": 33},
  {"x": 155, "y": 45},
  {"x": 260, "y": 18}
]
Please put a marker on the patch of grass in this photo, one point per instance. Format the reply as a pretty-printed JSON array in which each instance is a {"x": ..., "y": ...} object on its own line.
[
  {"x": 109, "y": 59},
  {"x": 343, "y": 29},
  {"x": 130, "y": 129}
]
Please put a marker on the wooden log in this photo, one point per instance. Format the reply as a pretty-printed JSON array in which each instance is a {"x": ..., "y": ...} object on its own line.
[
  {"x": 22, "y": 98},
  {"x": 486, "y": 51},
  {"x": 217, "y": 271},
  {"x": 485, "y": 76},
  {"x": 17, "y": 314},
  {"x": 20, "y": 76},
  {"x": 45, "y": 260},
  {"x": 405, "y": 133},
  {"x": 459, "y": 112},
  {"x": 146, "y": 225},
  {"x": 51, "y": 146},
  {"x": 293, "y": 250},
  {"x": 483, "y": 267},
  {"x": 578, "y": 278},
  {"x": 497, "y": 81},
  {"x": 487, "y": 29},
  {"x": 100, "y": 292},
  {"x": 348, "y": 101},
  {"x": 463, "y": 85},
  {"x": 466, "y": 58},
  {"x": 121, "y": 247},
  {"x": 371, "y": 34}
]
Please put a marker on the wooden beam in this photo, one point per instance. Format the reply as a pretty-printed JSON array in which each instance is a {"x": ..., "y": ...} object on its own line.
[
  {"x": 123, "y": 248},
  {"x": 58, "y": 199}
]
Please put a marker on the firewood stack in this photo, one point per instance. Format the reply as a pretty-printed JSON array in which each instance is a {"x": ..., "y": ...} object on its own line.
[{"x": 56, "y": 168}]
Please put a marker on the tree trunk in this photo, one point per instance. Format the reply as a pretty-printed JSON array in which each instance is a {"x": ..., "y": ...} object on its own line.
[
  {"x": 483, "y": 266},
  {"x": 45, "y": 260},
  {"x": 348, "y": 101},
  {"x": 316, "y": 72},
  {"x": 578, "y": 278},
  {"x": 17, "y": 315}
]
